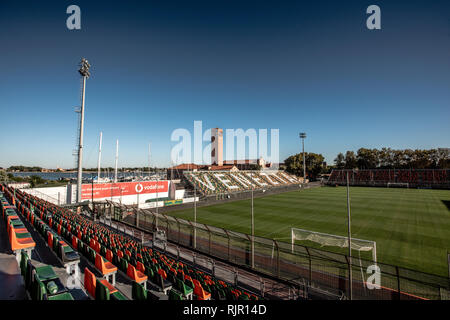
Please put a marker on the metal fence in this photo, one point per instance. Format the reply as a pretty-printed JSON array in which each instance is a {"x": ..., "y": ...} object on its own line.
[{"x": 306, "y": 268}]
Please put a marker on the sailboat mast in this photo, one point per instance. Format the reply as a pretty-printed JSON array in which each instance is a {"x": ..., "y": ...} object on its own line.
[
  {"x": 99, "y": 157},
  {"x": 117, "y": 159}
]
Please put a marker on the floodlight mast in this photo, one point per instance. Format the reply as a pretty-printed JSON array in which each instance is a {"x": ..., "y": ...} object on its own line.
[
  {"x": 349, "y": 226},
  {"x": 303, "y": 136},
  {"x": 84, "y": 71}
]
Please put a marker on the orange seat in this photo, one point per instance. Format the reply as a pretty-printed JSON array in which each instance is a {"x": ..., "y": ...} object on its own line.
[
  {"x": 162, "y": 273},
  {"x": 89, "y": 282},
  {"x": 17, "y": 244},
  {"x": 104, "y": 267},
  {"x": 109, "y": 255},
  {"x": 199, "y": 292},
  {"x": 92, "y": 244},
  {"x": 140, "y": 266},
  {"x": 50, "y": 240},
  {"x": 75, "y": 242},
  {"x": 136, "y": 275},
  {"x": 108, "y": 285}
]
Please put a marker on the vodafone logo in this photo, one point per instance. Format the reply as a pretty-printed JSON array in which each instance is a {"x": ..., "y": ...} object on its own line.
[{"x": 139, "y": 187}]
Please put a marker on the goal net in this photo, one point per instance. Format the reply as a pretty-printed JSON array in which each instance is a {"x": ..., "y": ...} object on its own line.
[
  {"x": 398, "y": 184},
  {"x": 325, "y": 239}
]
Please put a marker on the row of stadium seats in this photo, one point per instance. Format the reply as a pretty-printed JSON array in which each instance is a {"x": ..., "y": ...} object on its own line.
[
  {"x": 53, "y": 234},
  {"x": 413, "y": 176},
  {"x": 19, "y": 237},
  {"x": 110, "y": 251},
  {"x": 40, "y": 280},
  {"x": 217, "y": 182}
]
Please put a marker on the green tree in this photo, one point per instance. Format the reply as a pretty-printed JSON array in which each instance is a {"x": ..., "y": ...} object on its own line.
[
  {"x": 339, "y": 161},
  {"x": 36, "y": 180},
  {"x": 314, "y": 164},
  {"x": 350, "y": 160},
  {"x": 367, "y": 158}
]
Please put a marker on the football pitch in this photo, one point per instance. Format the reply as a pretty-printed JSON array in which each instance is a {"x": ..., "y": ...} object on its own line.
[{"x": 410, "y": 226}]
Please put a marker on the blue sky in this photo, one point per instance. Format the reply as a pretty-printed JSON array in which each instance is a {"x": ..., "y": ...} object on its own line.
[{"x": 294, "y": 66}]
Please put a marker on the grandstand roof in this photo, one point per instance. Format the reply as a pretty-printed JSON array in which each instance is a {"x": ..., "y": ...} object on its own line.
[
  {"x": 192, "y": 166},
  {"x": 187, "y": 166}
]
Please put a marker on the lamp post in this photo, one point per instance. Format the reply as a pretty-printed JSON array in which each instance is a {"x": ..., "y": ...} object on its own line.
[
  {"x": 84, "y": 71},
  {"x": 303, "y": 136},
  {"x": 195, "y": 216},
  {"x": 253, "y": 231},
  {"x": 157, "y": 200},
  {"x": 349, "y": 240}
]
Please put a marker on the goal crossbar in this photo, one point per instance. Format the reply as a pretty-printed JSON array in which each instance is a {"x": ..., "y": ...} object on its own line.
[
  {"x": 325, "y": 239},
  {"x": 400, "y": 184}
]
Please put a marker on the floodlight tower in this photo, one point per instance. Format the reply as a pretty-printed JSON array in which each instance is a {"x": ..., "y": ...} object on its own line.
[
  {"x": 303, "y": 136},
  {"x": 84, "y": 71}
]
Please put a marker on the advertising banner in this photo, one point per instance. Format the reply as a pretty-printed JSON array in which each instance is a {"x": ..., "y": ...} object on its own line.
[
  {"x": 173, "y": 202},
  {"x": 108, "y": 190}
]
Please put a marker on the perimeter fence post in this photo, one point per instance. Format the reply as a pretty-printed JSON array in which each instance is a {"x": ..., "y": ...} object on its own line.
[
  {"x": 398, "y": 282},
  {"x": 310, "y": 265}
]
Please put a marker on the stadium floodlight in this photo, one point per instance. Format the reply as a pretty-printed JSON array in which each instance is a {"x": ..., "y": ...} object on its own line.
[
  {"x": 302, "y": 136},
  {"x": 84, "y": 71},
  {"x": 84, "y": 68}
]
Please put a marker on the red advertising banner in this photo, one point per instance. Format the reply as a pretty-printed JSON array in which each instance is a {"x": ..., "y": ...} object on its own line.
[{"x": 108, "y": 190}]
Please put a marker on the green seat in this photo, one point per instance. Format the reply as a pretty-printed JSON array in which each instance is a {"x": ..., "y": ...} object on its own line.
[
  {"x": 23, "y": 263},
  {"x": 16, "y": 223},
  {"x": 175, "y": 295},
  {"x": 118, "y": 296},
  {"x": 62, "y": 296},
  {"x": 184, "y": 289},
  {"x": 28, "y": 275},
  {"x": 138, "y": 291},
  {"x": 123, "y": 265},
  {"x": 243, "y": 297},
  {"x": 37, "y": 289},
  {"x": 23, "y": 235},
  {"x": 45, "y": 273},
  {"x": 92, "y": 255},
  {"x": 101, "y": 291},
  {"x": 149, "y": 272}
]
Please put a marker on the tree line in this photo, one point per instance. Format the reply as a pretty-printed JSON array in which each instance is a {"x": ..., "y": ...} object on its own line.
[{"x": 387, "y": 158}]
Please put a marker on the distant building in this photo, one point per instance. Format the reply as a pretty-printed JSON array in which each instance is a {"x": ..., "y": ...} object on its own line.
[
  {"x": 176, "y": 172},
  {"x": 217, "y": 146}
]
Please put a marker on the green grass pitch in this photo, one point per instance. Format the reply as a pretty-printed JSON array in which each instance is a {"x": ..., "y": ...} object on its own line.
[{"x": 411, "y": 226}]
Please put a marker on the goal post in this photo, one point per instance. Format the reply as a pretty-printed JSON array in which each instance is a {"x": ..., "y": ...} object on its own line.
[
  {"x": 398, "y": 184},
  {"x": 332, "y": 240}
]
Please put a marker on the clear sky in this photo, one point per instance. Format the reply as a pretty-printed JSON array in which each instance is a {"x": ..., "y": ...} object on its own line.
[{"x": 309, "y": 66}]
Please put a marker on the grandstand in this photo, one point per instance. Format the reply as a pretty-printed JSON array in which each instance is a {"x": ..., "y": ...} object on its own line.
[
  {"x": 145, "y": 273},
  {"x": 412, "y": 178},
  {"x": 217, "y": 182}
]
